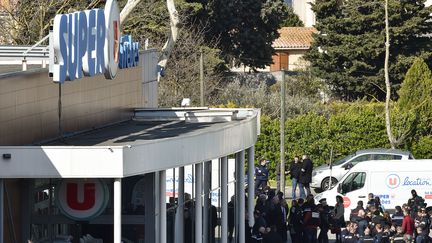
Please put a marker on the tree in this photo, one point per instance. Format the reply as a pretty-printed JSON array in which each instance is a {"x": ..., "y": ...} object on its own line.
[
  {"x": 413, "y": 110},
  {"x": 262, "y": 91},
  {"x": 415, "y": 93},
  {"x": 246, "y": 28},
  {"x": 182, "y": 76},
  {"x": 348, "y": 51},
  {"x": 292, "y": 19}
]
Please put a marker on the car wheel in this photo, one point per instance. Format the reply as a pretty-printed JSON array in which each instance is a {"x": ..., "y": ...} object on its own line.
[{"x": 325, "y": 183}]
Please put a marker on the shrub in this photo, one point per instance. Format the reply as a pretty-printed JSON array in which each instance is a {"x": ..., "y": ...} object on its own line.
[{"x": 341, "y": 127}]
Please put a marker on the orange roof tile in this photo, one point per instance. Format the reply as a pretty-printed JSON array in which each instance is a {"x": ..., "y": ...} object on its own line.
[{"x": 294, "y": 38}]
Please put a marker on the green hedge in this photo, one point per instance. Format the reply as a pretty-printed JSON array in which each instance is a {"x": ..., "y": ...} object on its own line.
[
  {"x": 343, "y": 127},
  {"x": 422, "y": 148}
]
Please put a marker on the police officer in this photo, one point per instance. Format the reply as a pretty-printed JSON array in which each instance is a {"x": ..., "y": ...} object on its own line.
[
  {"x": 397, "y": 217},
  {"x": 311, "y": 220},
  {"x": 415, "y": 203},
  {"x": 261, "y": 176},
  {"x": 381, "y": 236},
  {"x": 351, "y": 236}
]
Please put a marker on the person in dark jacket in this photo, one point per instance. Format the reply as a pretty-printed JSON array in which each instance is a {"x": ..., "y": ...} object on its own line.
[
  {"x": 231, "y": 219},
  {"x": 272, "y": 235},
  {"x": 311, "y": 220},
  {"x": 415, "y": 203},
  {"x": 338, "y": 217},
  {"x": 398, "y": 216},
  {"x": 260, "y": 204},
  {"x": 294, "y": 171},
  {"x": 366, "y": 238},
  {"x": 422, "y": 236},
  {"x": 261, "y": 176},
  {"x": 362, "y": 222},
  {"x": 295, "y": 222},
  {"x": 305, "y": 176},
  {"x": 282, "y": 229},
  {"x": 258, "y": 229},
  {"x": 275, "y": 214},
  {"x": 354, "y": 213},
  {"x": 381, "y": 236},
  {"x": 325, "y": 215},
  {"x": 351, "y": 235}
]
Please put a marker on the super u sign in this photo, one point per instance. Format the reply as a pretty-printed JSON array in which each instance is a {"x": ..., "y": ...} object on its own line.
[
  {"x": 82, "y": 199},
  {"x": 88, "y": 43}
]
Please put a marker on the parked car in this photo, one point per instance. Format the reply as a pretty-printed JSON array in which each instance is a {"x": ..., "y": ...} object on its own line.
[
  {"x": 321, "y": 175},
  {"x": 390, "y": 180}
]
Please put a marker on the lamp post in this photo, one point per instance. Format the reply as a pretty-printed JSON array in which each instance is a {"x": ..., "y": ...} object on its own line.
[
  {"x": 282, "y": 136},
  {"x": 201, "y": 79}
]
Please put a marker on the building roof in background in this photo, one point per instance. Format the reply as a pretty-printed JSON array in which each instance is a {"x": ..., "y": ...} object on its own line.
[{"x": 294, "y": 38}]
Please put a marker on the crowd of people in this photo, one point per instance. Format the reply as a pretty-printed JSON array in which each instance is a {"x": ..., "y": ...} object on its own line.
[{"x": 308, "y": 222}]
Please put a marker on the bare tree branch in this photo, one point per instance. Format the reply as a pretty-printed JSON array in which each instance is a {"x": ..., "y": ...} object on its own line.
[
  {"x": 169, "y": 45},
  {"x": 127, "y": 9}
]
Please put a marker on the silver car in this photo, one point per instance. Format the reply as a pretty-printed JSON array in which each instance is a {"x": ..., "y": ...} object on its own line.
[{"x": 321, "y": 175}]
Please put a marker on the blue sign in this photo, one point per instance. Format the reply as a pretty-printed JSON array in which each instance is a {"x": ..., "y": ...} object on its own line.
[{"x": 88, "y": 43}]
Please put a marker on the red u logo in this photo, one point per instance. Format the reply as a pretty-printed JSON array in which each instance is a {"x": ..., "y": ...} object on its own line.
[
  {"x": 72, "y": 196},
  {"x": 392, "y": 181}
]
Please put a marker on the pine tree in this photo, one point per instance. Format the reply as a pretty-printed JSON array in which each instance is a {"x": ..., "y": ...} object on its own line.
[
  {"x": 247, "y": 28},
  {"x": 415, "y": 98},
  {"x": 416, "y": 90},
  {"x": 292, "y": 19},
  {"x": 348, "y": 51}
]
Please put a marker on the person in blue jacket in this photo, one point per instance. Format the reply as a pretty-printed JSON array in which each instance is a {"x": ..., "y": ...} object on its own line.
[{"x": 261, "y": 176}]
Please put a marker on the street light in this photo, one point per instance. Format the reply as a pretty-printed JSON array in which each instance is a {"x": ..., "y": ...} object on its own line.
[{"x": 282, "y": 136}]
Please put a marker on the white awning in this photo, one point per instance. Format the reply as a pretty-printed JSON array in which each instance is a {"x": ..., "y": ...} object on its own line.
[{"x": 154, "y": 140}]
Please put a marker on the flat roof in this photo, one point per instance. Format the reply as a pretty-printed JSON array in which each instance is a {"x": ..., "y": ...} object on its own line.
[
  {"x": 154, "y": 140},
  {"x": 135, "y": 132}
]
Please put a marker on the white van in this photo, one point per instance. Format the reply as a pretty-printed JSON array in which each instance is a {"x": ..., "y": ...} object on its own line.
[
  {"x": 321, "y": 175},
  {"x": 391, "y": 180}
]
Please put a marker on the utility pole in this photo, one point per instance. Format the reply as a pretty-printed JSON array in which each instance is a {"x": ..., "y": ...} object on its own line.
[
  {"x": 282, "y": 136},
  {"x": 201, "y": 78}
]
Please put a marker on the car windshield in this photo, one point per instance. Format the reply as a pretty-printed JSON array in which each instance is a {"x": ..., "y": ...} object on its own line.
[{"x": 343, "y": 160}]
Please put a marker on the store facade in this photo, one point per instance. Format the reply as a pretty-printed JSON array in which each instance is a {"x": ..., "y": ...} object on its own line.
[
  {"x": 107, "y": 171},
  {"x": 84, "y": 148}
]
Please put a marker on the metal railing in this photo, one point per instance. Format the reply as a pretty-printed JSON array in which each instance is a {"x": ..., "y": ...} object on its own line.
[{"x": 16, "y": 55}]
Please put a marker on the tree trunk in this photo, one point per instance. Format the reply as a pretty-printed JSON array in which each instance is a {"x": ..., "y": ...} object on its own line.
[
  {"x": 391, "y": 138},
  {"x": 174, "y": 23},
  {"x": 130, "y": 5},
  {"x": 169, "y": 45}
]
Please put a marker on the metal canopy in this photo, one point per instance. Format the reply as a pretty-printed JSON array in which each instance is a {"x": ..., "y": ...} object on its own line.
[{"x": 137, "y": 146}]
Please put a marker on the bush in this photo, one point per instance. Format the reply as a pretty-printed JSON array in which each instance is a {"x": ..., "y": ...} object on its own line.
[
  {"x": 341, "y": 127},
  {"x": 421, "y": 149}
]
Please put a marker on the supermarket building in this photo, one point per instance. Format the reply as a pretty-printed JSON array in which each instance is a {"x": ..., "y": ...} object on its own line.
[{"x": 86, "y": 160}]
